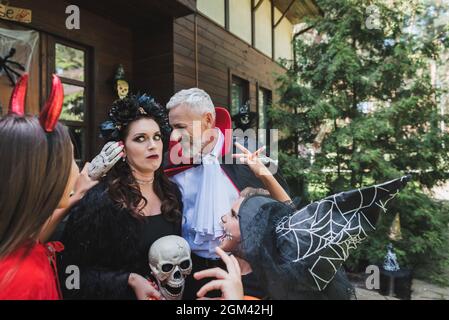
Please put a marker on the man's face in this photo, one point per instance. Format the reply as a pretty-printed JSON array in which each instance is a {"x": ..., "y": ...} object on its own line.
[{"x": 189, "y": 125}]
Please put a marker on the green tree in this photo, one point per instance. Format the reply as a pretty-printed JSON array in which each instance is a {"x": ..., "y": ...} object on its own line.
[{"x": 360, "y": 98}]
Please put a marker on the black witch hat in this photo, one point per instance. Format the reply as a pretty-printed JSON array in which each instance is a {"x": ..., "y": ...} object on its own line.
[{"x": 298, "y": 254}]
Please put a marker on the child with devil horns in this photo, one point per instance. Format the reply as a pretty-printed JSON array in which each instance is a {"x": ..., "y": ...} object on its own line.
[{"x": 40, "y": 182}]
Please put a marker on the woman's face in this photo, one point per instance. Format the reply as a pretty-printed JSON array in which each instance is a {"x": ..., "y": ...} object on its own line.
[
  {"x": 230, "y": 222},
  {"x": 143, "y": 145}
]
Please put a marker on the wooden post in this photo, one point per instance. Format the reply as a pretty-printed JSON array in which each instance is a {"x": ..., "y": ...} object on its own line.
[
  {"x": 273, "y": 46},
  {"x": 195, "y": 40}
]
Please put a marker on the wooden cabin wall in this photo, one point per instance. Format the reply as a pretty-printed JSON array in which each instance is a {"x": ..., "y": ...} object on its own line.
[
  {"x": 220, "y": 54},
  {"x": 153, "y": 60}
]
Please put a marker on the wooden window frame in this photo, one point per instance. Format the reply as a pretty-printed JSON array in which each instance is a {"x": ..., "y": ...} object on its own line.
[
  {"x": 84, "y": 125},
  {"x": 263, "y": 88},
  {"x": 267, "y": 119},
  {"x": 233, "y": 75}
]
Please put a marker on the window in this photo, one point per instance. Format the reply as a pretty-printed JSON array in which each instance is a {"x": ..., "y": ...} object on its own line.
[
  {"x": 252, "y": 21},
  {"x": 283, "y": 38},
  {"x": 240, "y": 19},
  {"x": 264, "y": 98},
  {"x": 70, "y": 64},
  {"x": 263, "y": 28},
  {"x": 239, "y": 94},
  {"x": 214, "y": 9}
]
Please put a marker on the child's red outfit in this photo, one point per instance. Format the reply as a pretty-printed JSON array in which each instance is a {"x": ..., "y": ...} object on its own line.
[{"x": 33, "y": 276}]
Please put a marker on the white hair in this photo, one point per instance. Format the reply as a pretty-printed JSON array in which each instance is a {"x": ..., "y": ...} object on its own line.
[{"x": 195, "y": 98}]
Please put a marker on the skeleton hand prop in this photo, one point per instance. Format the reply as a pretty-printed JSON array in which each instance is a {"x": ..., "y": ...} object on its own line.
[{"x": 105, "y": 160}]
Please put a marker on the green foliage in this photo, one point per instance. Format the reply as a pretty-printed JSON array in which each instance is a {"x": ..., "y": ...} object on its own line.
[
  {"x": 69, "y": 62},
  {"x": 363, "y": 100},
  {"x": 73, "y": 107},
  {"x": 425, "y": 236}
]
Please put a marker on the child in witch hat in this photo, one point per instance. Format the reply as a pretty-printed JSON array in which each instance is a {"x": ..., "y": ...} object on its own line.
[{"x": 298, "y": 254}]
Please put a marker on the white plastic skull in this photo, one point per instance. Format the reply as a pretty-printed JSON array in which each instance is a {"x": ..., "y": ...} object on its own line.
[{"x": 170, "y": 263}]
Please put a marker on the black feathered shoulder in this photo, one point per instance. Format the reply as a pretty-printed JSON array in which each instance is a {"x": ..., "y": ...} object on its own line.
[{"x": 96, "y": 226}]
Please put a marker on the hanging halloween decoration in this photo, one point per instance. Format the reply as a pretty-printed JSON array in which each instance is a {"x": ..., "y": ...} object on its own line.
[
  {"x": 16, "y": 52},
  {"x": 121, "y": 85},
  {"x": 8, "y": 66},
  {"x": 170, "y": 264},
  {"x": 245, "y": 119}
]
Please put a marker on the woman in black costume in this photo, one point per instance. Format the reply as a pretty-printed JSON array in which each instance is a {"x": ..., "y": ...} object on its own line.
[{"x": 108, "y": 233}]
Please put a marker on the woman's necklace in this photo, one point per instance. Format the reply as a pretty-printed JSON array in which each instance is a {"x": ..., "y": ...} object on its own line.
[{"x": 144, "y": 182}]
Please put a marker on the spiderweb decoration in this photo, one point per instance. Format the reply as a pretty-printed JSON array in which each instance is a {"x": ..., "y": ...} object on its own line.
[
  {"x": 322, "y": 233},
  {"x": 16, "y": 52}
]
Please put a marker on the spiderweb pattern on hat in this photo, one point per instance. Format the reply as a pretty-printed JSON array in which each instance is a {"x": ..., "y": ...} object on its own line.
[{"x": 323, "y": 233}]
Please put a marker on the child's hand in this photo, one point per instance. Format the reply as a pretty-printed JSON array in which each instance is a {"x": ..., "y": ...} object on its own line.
[
  {"x": 106, "y": 159},
  {"x": 83, "y": 184},
  {"x": 230, "y": 282},
  {"x": 252, "y": 160}
]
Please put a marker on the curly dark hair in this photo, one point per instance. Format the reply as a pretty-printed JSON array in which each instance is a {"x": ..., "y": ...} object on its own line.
[{"x": 122, "y": 186}]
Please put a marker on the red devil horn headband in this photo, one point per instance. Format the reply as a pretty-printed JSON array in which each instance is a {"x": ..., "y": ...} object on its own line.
[
  {"x": 49, "y": 116},
  {"x": 52, "y": 110},
  {"x": 17, "y": 102}
]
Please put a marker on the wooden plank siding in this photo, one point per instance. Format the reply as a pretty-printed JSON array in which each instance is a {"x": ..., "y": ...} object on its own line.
[
  {"x": 220, "y": 55},
  {"x": 153, "y": 60}
]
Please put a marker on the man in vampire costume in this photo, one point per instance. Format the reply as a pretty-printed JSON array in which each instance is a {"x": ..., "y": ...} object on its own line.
[{"x": 198, "y": 162}]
